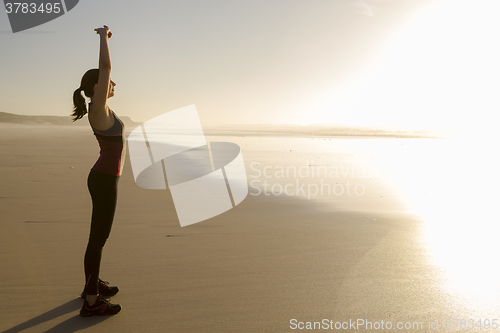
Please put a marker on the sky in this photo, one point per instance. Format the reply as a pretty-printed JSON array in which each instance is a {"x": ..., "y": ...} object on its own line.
[{"x": 423, "y": 64}]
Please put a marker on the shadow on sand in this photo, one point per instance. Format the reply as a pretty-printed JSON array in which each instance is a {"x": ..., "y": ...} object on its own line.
[{"x": 72, "y": 324}]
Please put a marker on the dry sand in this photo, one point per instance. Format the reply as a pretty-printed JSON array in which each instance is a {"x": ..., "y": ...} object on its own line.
[{"x": 252, "y": 269}]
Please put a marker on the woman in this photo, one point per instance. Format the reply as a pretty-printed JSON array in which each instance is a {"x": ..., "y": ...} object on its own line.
[{"x": 103, "y": 177}]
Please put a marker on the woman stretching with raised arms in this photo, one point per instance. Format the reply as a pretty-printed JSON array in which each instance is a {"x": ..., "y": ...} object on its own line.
[{"x": 103, "y": 177}]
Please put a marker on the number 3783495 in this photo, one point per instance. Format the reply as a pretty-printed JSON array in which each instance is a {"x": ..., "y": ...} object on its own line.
[{"x": 32, "y": 8}]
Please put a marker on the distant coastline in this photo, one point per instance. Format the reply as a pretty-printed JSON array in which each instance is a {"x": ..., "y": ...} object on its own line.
[
  {"x": 322, "y": 131},
  {"x": 53, "y": 120}
]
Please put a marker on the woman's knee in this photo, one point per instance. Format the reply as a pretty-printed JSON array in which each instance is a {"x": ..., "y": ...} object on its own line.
[{"x": 97, "y": 242}]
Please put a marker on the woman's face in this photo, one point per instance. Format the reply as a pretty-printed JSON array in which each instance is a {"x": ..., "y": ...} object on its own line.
[{"x": 111, "y": 90}]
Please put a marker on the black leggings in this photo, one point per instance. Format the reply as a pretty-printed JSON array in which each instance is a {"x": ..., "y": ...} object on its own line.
[{"x": 103, "y": 190}]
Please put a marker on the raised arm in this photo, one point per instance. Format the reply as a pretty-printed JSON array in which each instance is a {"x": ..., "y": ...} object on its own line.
[{"x": 101, "y": 117}]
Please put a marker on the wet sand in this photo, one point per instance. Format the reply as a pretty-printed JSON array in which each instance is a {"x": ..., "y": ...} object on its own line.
[{"x": 255, "y": 268}]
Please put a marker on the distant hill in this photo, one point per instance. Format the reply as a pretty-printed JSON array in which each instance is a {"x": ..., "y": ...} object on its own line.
[{"x": 54, "y": 120}]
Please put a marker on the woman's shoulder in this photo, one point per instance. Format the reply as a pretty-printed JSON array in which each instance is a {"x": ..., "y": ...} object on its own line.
[
  {"x": 101, "y": 121},
  {"x": 107, "y": 108}
]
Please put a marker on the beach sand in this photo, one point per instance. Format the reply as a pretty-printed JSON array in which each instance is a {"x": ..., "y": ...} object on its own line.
[{"x": 255, "y": 268}]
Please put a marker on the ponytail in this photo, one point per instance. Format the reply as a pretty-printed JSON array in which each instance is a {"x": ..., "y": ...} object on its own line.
[
  {"x": 79, "y": 102},
  {"x": 89, "y": 80}
]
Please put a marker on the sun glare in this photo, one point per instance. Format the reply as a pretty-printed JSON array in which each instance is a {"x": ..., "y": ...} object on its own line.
[
  {"x": 444, "y": 68},
  {"x": 452, "y": 185},
  {"x": 440, "y": 71}
]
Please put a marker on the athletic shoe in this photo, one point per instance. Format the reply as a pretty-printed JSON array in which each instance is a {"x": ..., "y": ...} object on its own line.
[
  {"x": 102, "y": 307},
  {"x": 104, "y": 290}
]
